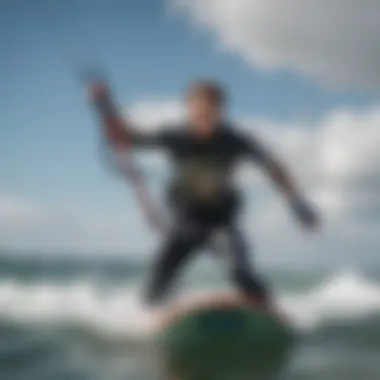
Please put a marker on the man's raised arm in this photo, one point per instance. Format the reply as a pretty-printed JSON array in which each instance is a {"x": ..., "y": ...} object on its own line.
[{"x": 118, "y": 131}]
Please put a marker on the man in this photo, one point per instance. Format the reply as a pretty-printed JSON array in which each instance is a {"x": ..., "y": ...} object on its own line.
[{"x": 202, "y": 196}]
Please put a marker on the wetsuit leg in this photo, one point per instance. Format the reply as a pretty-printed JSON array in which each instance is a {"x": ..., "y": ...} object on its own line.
[
  {"x": 180, "y": 245},
  {"x": 230, "y": 242}
]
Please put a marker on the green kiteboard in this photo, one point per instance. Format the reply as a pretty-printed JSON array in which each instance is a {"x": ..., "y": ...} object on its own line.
[{"x": 224, "y": 343}]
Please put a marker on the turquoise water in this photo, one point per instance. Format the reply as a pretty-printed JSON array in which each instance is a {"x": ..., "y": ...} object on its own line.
[{"x": 70, "y": 318}]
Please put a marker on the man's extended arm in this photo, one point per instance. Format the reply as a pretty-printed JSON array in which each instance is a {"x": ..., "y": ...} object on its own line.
[{"x": 118, "y": 131}]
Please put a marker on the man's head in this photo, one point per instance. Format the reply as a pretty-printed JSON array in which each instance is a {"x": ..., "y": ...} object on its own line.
[{"x": 205, "y": 105}]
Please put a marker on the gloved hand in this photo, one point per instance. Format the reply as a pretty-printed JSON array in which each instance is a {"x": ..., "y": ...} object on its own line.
[{"x": 305, "y": 213}]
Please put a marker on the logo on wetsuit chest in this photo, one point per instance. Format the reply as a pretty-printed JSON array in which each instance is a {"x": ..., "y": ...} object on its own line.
[{"x": 205, "y": 177}]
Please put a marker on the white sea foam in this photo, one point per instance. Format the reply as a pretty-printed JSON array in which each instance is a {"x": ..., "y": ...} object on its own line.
[
  {"x": 345, "y": 296},
  {"x": 118, "y": 311}
]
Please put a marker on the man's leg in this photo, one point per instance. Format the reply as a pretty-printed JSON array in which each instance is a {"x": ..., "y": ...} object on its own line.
[
  {"x": 230, "y": 243},
  {"x": 176, "y": 250}
]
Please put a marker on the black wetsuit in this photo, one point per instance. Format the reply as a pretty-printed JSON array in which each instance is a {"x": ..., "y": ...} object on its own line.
[{"x": 204, "y": 202}]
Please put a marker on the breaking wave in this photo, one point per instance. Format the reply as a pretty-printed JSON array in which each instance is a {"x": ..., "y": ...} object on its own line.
[{"x": 117, "y": 310}]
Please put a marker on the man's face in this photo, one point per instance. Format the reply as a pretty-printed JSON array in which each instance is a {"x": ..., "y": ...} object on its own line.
[{"x": 203, "y": 114}]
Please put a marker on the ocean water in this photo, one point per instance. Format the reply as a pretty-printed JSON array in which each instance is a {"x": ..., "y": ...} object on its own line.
[{"x": 70, "y": 318}]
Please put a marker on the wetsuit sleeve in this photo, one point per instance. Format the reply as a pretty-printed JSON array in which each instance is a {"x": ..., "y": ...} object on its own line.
[
  {"x": 252, "y": 149},
  {"x": 163, "y": 138},
  {"x": 277, "y": 171}
]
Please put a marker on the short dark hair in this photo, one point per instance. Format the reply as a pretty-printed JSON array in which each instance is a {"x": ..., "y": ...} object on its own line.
[{"x": 209, "y": 89}]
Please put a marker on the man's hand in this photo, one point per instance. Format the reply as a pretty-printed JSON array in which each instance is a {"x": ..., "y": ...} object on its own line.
[
  {"x": 305, "y": 213},
  {"x": 99, "y": 93}
]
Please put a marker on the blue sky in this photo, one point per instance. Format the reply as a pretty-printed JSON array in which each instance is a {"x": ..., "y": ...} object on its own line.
[{"x": 49, "y": 145}]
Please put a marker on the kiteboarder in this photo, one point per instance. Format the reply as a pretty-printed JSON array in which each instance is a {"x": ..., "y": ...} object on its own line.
[{"x": 203, "y": 199}]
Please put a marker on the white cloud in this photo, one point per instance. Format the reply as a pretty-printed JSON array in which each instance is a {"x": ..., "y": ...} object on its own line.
[
  {"x": 337, "y": 160},
  {"x": 150, "y": 114},
  {"x": 333, "y": 41}
]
